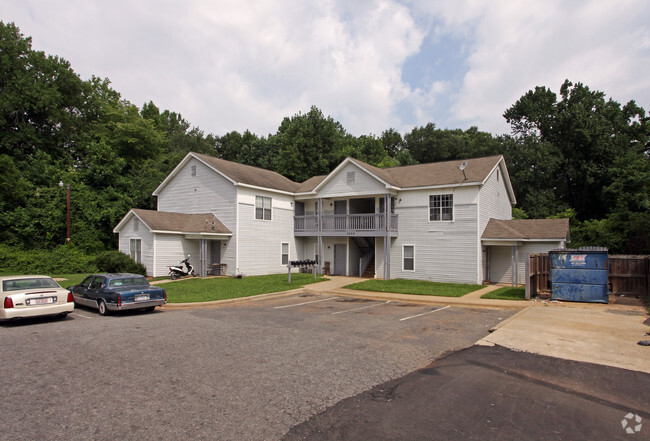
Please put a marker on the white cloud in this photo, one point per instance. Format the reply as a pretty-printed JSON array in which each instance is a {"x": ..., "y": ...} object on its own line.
[
  {"x": 517, "y": 45},
  {"x": 242, "y": 64},
  {"x": 233, "y": 65}
]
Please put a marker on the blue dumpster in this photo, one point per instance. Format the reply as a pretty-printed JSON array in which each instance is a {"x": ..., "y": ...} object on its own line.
[{"x": 580, "y": 275}]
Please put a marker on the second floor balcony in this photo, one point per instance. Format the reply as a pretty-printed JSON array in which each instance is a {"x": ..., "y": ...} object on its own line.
[{"x": 368, "y": 224}]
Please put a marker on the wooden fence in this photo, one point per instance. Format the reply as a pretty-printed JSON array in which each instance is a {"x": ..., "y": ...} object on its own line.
[{"x": 628, "y": 275}]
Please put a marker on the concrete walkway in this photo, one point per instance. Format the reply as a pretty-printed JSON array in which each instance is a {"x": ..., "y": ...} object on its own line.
[
  {"x": 600, "y": 334},
  {"x": 335, "y": 285}
]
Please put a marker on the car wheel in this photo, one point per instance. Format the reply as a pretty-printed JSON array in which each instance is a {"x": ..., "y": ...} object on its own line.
[
  {"x": 149, "y": 308},
  {"x": 101, "y": 307},
  {"x": 62, "y": 315}
]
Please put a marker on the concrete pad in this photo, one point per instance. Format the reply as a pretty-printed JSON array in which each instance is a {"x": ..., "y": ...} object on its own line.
[{"x": 600, "y": 334}]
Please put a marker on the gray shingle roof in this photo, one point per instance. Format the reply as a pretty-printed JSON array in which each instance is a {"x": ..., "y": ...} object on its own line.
[
  {"x": 180, "y": 222},
  {"x": 435, "y": 173},
  {"x": 246, "y": 174},
  {"x": 527, "y": 229}
]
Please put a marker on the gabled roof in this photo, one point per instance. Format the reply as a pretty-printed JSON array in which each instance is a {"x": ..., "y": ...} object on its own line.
[
  {"x": 246, "y": 174},
  {"x": 237, "y": 173},
  {"x": 181, "y": 223},
  {"x": 435, "y": 174},
  {"x": 527, "y": 229}
]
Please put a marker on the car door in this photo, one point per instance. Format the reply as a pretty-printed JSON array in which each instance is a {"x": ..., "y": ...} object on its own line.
[
  {"x": 79, "y": 291},
  {"x": 94, "y": 290}
]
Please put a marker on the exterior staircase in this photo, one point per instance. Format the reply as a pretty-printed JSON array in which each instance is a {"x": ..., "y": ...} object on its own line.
[
  {"x": 367, "y": 247},
  {"x": 369, "y": 273}
]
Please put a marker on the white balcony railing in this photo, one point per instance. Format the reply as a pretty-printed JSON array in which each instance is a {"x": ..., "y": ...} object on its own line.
[{"x": 345, "y": 223}]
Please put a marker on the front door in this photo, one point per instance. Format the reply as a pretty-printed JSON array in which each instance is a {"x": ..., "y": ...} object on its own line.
[
  {"x": 215, "y": 251},
  {"x": 340, "y": 259}
]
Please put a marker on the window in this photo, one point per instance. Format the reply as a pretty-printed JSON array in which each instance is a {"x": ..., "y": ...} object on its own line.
[
  {"x": 97, "y": 283},
  {"x": 262, "y": 208},
  {"x": 285, "y": 253},
  {"x": 351, "y": 177},
  {"x": 441, "y": 207},
  {"x": 136, "y": 224},
  {"x": 193, "y": 168},
  {"x": 135, "y": 250},
  {"x": 408, "y": 261}
]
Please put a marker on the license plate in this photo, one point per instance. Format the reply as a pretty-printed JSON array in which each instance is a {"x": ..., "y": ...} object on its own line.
[
  {"x": 141, "y": 297},
  {"x": 40, "y": 301}
]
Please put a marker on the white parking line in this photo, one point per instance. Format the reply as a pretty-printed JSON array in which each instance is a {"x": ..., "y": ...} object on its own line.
[
  {"x": 80, "y": 315},
  {"x": 358, "y": 309},
  {"x": 424, "y": 313},
  {"x": 305, "y": 303}
]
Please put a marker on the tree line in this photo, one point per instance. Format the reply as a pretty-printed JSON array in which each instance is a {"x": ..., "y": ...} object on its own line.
[{"x": 577, "y": 154}]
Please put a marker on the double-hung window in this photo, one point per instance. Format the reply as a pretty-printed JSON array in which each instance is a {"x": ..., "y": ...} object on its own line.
[
  {"x": 262, "y": 208},
  {"x": 135, "y": 250},
  {"x": 408, "y": 258},
  {"x": 441, "y": 207},
  {"x": 285, "y": 253}
]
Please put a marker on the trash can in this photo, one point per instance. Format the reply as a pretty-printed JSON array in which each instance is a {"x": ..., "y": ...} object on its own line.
[{"x": 580, "y": 275}]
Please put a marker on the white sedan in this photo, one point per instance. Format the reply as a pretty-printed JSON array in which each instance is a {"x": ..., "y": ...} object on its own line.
[{"x": 31, "y": 296}]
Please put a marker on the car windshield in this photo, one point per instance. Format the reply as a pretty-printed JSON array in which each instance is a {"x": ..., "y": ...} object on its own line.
[
  {"x": 127, "y": 281},
  {"x": 20, "y": 284}
]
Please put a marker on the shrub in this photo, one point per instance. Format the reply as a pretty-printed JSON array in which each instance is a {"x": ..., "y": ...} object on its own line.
[
  {"x": 118, "y": 262},
  {"x": 65, "y": 259}
]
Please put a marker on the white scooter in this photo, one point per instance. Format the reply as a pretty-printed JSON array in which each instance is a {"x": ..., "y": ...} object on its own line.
[{"x": 177, "y": 271}]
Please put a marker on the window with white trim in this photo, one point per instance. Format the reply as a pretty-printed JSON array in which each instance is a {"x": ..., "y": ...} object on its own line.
[
  {"x": 408, "y": 257},
  {"x": 441, "y": 207},
  {"x": 285, "y": 253},
  {"x": 263, "y": 207},
  {"x": 135, "y": 250}
]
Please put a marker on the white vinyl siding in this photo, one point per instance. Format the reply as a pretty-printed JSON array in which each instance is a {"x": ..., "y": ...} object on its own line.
[
  {"x": 170, "y": 248},
  {"x": 146, "y": 239},
  {"x": 207, "y": 192},
  {"x": 446, "y": 251},
  {"x": 258, "y": 241},
  {"x": 341, "y": 185},
  {"x": 494, "y": 201},
  {"x": 501, "y": 270}
]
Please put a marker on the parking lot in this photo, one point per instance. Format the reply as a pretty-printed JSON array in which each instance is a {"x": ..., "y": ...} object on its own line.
[{"x": 250, "y": 370}]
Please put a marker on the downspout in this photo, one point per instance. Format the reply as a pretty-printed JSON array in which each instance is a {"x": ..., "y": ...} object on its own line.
[
  {"x": 320, "y": 234},
  {"x": 386, "y": 236}
]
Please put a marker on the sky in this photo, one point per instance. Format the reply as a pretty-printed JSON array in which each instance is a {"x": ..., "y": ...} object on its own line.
[{"x": 236, "y": 65}]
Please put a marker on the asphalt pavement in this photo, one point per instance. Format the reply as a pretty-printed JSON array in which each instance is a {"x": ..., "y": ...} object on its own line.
[
  {"x": 240, "y": 371},
  {"x": 493, "y": 393}
]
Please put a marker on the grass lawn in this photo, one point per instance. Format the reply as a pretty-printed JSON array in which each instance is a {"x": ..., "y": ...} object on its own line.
[
  {"x": 220, "y": 288},
  {"x": 403, "y": 286},
  {"x": 506, "y": 293}
]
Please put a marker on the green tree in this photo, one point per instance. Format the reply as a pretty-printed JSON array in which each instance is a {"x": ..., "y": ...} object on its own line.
[
  {"x": 588, "y": 134},
  {"x": 308, "y": 145}
]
